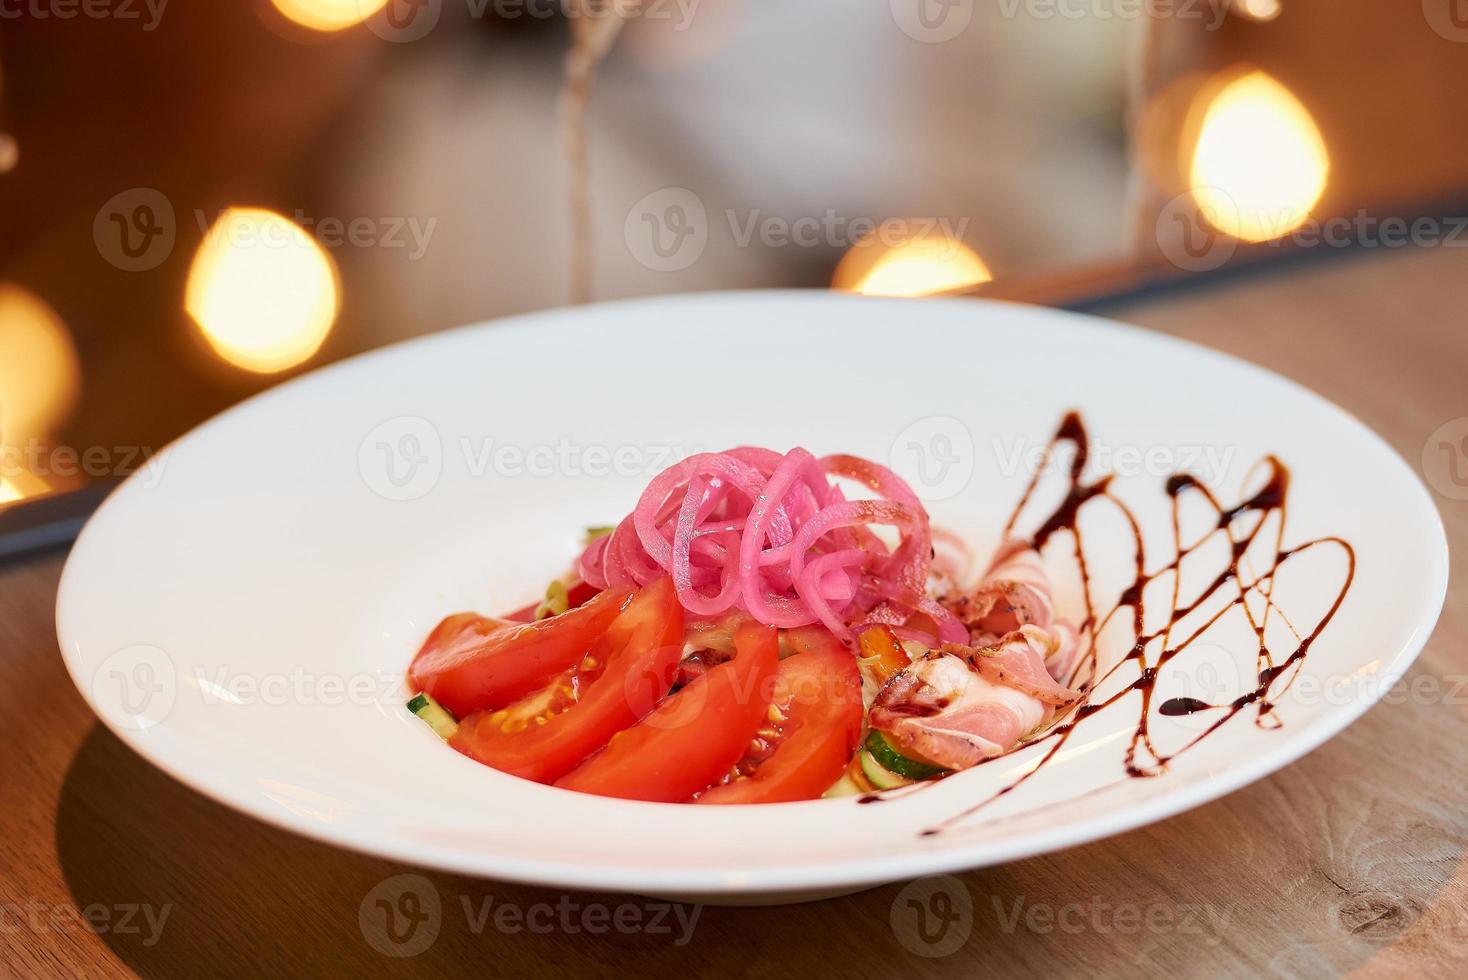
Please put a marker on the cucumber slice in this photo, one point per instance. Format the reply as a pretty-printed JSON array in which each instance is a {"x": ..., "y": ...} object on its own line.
[
  {"x": 845, "y": 786},
  {"x": 880, "y": 776},
  {"x": 433, "y": 714},
  {"x": 895, "y": 762}
]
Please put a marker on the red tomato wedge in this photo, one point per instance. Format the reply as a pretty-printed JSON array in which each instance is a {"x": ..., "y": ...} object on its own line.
[
  {"x": 693, "y": 737},
  {"x": 627, "y": 671},
  {"x": 471, "y": 663},
  {"x": 811, "y": 730}
]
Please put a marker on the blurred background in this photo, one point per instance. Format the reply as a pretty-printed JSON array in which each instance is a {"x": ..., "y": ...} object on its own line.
[{"x": 199, "y": 200}]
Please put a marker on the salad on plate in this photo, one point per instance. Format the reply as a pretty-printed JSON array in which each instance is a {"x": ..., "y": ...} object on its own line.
[{"x": 762, "y": 628}]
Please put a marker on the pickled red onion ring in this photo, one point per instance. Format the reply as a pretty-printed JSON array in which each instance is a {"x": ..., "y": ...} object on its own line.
[{"x": 772, "y": 535}]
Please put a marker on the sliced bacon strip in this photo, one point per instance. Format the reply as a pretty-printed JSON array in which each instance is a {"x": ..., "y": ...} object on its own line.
[
  {"x": 942, "y": 711},
  {"x": 964, "y": 703},
  {"x": 1013, "y": 595},
  {"x": 1014, "y": 592},
  {"x": 1018, "y": 660}
]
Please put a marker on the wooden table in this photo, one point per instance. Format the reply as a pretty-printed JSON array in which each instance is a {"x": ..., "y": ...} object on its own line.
[{"x": 1353, "y": 858}]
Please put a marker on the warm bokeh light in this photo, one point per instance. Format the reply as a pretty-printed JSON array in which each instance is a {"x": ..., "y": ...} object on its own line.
[
  {"x": 19, "y": 486},
  {"x": 262, "y": 290},
  {"x": 328, "y": 15},
  {"x": 1166, "y": 130},
  {"x": 39, "y": 374},
  {"x": 1260, "y": 10},
  {"x": 1260, "y": 163},
  {"x": 921, "y": 266}
]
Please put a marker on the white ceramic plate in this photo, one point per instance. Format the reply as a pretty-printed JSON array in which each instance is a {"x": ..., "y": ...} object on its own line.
[{"x": 241, "y": 612}]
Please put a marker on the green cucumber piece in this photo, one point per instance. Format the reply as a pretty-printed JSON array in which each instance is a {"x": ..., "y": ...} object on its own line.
[
  {"x": 879, "y": 775},
  {"x": 845, "y": 786},
  {"x": 433, "y": 715},
  {"x": 895, "y": 762}
]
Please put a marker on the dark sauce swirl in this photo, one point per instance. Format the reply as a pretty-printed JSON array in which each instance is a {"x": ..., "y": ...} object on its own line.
[{"x": 1261, "y": 518}]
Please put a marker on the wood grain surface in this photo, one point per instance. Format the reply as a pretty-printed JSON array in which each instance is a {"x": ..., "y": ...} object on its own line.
[{"x": 1350, "y": 860}]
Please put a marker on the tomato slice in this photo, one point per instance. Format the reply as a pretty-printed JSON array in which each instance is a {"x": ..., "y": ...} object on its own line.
[
  {"x": 811, "y": 731},
  {"x": 624, "y": 675},
  {"x": 471, "y": 663},
  {"x": 693, "y": 737}
]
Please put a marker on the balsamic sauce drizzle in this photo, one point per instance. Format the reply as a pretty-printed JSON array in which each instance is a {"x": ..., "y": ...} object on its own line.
[{"x": 1241, "y": 525}]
